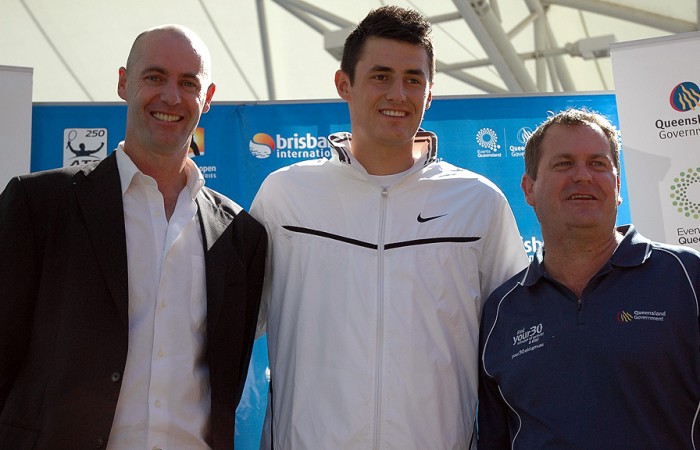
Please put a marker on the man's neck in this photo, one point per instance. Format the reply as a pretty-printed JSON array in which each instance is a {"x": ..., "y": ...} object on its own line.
[
  {"x": 574, "y": 259},
  {"x": 167, "y": 170},
  {"x": 382, "y": 160}
]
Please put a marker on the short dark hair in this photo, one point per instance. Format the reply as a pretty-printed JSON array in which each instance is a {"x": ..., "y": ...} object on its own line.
[
  {"x": 570, "y": 117},
  {"x": 389, "y": 22}
]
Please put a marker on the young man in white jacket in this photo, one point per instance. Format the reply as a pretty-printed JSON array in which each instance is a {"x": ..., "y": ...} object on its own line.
[{"x": 379, "y": 261}]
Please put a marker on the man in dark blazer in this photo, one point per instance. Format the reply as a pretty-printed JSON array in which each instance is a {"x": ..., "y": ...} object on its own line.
[{"x": 66, "y": 309}]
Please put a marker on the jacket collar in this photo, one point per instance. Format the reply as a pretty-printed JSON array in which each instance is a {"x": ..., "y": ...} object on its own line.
[
  {"x": 424, "y": 148},
  {"x": 214, "y": 220},
  {"x": 98, "y": 193}
]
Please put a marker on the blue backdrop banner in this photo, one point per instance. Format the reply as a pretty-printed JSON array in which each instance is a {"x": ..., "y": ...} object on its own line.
[{"x": 237, "y": 145}]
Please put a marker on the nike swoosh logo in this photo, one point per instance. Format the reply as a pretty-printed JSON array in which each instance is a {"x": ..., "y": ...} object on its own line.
[{"x": 427, "y": 219}]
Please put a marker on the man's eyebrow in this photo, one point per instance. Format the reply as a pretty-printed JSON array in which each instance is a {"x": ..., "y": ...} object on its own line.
[
  {"x": 378, "y": 68},
  {"x": 157, "y": 69},
  {"x": 162, "y": 70},
  {"x": 416, "y": 72},
  {"x": 568, "y": 155}
]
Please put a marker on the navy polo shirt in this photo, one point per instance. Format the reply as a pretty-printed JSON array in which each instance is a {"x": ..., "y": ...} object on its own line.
[{"x": 617, "y": 368}]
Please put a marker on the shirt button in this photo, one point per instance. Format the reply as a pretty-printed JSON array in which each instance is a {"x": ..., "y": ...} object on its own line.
[
  {"x": 116, "y": 376},
  {"x": 157, "y": 403},
  {"x": 98, "y": 443}
]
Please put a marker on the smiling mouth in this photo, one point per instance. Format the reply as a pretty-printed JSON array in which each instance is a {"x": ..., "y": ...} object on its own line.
[
  {"x": 392, "y": 113},
  {"x": 581, "y": 197},
  {"x": 166, "y": 117}
]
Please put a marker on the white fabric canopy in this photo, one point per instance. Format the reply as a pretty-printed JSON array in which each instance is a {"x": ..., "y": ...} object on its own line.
[{"x": 275, "y": 49}]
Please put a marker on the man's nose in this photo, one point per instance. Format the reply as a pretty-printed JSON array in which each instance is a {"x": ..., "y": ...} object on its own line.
[
  {"x": 397, "y": 91},
  {"x": 171, "y": 93}
]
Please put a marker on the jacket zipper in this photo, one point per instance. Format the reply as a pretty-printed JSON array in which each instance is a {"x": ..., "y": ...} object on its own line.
[{"x": 380, "y": 320}]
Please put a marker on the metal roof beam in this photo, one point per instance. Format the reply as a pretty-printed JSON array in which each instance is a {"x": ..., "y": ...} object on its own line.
[
  {"x": 303, "y": 10},
  {"x": 629, "y": 14},
  {"x": 469, "y": 79},
  {"x": 485, "y": 26},
  {"x": 267, "y": 54}
]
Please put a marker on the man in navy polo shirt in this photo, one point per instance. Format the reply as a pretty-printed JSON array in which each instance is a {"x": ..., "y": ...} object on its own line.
[{"x": 596, "y": 344}]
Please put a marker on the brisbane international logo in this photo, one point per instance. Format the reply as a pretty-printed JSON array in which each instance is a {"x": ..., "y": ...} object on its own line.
[{"x": 261, "y": 145}]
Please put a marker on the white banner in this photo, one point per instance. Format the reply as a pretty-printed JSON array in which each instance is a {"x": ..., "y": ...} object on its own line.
[
  {"x": 15, "y": 121},
  {"x": 658, "y": 105}
]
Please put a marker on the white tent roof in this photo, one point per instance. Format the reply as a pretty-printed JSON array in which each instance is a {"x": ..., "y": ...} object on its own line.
[{"x": 275, "y": 49}]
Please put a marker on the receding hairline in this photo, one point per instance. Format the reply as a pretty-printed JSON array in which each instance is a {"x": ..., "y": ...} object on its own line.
[
  {"x": 571, "y": 117},
  {"x": 180, "y": 31}
]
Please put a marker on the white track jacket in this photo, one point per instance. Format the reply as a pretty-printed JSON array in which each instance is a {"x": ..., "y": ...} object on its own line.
[{"x": 373, "y": 297}]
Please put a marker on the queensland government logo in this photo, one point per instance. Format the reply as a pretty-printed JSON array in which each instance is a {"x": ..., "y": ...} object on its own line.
[
  {"x": 685, "y": 96},
  {"x": 296, "y": 146},
  {"x": 623, "y": 316},
  {"x": 523, "y": 136},
  {"x": 685, "y": 189}
]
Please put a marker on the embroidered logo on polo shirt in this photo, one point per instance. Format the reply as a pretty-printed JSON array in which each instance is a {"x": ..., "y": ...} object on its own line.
[
  {"x": 624, "y": 317},
  {"x": 653, "y": 316},
  {"x": 529, "y": 337}
]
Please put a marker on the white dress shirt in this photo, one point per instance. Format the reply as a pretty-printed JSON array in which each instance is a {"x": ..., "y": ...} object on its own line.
[{"x": 164, "y": 402}]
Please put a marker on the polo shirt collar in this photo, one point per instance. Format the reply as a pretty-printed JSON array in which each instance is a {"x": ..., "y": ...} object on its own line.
[{"x": 634, "y": 250}]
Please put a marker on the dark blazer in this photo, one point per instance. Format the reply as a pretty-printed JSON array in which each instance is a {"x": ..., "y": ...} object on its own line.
[{"x": 64, "y": 306}]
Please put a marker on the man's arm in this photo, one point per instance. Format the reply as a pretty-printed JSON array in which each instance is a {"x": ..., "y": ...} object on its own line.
[
  {"x": 504, "y": 254},
  {"x": 492, "y": 412},
  {"x": 19, "y": 280},
  {"x": 258, "y": 212}
]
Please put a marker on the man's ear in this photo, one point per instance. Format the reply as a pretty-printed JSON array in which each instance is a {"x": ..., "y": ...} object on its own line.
[
  {"x": 121, "y": 84},
  {"x": 342, "y": 84},
  {"x": 430, "y": 97},
  {"x": 210, "y": 95},
  {"x": 527, "y": 184}
]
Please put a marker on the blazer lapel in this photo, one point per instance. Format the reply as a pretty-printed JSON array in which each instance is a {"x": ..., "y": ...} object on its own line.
[
  {"x": 217, "y": 252},
  {"x": 99, "y": 198}
]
